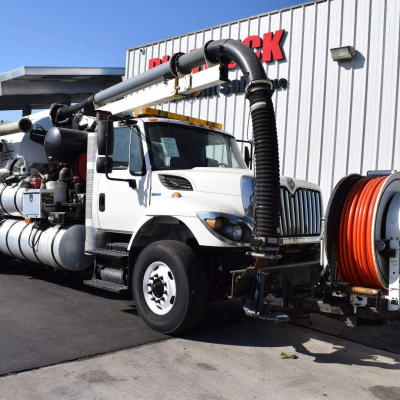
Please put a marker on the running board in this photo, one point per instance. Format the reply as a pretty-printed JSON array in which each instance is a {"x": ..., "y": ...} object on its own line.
[
  {"x": 110, "y": 253},
  {"x": 111, "y": 287}
]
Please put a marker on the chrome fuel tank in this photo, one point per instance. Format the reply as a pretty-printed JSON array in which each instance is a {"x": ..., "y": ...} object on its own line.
[{"x": 53, "y": 245}]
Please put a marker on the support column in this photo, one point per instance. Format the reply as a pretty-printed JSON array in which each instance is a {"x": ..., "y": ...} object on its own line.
[{"x": 27, "y": 110}]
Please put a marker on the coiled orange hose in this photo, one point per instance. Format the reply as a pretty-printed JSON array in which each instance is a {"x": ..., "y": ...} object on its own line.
[{"x": 356, "y": 263}]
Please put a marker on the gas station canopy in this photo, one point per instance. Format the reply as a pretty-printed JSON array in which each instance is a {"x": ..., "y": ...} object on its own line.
[{"x": 28, "y": 88}]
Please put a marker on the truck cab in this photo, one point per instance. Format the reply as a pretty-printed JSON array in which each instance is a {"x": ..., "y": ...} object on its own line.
[{"x": 182, "y": 186}]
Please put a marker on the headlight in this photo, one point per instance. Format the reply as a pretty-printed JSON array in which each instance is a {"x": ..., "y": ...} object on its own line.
[
  {"x": 227, "y": 228},
  {"x": 238, "y": 232}
]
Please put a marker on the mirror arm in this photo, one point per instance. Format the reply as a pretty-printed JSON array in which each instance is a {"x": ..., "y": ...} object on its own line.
[{"x": 132, "y": 182}]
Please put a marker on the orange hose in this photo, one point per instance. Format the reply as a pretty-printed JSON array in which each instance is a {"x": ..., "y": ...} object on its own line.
[{"x": 354, "y": 243}]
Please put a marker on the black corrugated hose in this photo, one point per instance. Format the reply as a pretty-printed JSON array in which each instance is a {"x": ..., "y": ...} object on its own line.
[
  {"x": 267, "y": 162},
  {"x": 258, "y": 92}
]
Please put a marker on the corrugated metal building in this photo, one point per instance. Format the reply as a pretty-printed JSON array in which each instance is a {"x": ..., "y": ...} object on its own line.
[{"x": 333, "y": 118}]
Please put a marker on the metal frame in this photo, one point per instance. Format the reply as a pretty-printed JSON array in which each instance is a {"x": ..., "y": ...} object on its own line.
[{"x": 167, "y": 91}]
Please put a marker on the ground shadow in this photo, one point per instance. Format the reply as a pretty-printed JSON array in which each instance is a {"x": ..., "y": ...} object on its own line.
[
  {"x": 225, "y": 324},
  {"x": 71, "y": 280},
  {"x": 300, "y": 340}
]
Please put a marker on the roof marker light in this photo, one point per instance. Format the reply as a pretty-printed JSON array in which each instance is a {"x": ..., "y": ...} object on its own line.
[{"x": 154, "y": 112}]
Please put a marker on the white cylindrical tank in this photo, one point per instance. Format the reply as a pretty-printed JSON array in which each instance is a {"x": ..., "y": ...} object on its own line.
[
  {"x": 11, "y": 200},
  {"x": 56, "y": 246}
]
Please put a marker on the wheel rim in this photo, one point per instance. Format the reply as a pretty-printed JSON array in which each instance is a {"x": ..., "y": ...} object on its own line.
[{"x": 159, "y": 288}]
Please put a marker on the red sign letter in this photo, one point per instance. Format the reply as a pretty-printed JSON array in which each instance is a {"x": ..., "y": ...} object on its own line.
[
  {"x": 272, "y": 49},
  {"x": 165, "y": 59},
  {"x": 154, "y": 62},
  {"x": 253, "y": 42}
]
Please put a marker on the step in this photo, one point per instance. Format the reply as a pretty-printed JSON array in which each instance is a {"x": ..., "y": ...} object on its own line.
[
  {"x": 111, "y": 287},
  {"x": 110, "y": 253}
]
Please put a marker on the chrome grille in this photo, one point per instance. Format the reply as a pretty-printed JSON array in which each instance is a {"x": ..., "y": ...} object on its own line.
[{"x": 300, "y": 212}]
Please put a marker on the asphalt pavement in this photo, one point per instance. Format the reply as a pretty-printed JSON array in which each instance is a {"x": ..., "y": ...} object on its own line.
[
  {"x": 49, "y": 317},
  {"x": 61, "y": 339}
]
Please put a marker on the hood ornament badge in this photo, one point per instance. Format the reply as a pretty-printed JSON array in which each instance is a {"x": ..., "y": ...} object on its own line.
[{"x": 291, "y": 185}]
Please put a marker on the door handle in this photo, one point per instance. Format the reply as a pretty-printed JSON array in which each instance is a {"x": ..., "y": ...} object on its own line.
[{"x": 102, "y": 202}]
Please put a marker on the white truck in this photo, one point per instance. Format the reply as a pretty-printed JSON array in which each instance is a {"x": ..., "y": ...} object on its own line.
[{"x": 163, "y": 205}]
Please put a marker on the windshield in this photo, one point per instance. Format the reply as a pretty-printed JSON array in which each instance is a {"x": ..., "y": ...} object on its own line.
[{"x": 178, "y": 146}]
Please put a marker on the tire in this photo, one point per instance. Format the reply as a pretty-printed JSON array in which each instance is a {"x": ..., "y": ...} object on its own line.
[{"x": 188, "y": 284}]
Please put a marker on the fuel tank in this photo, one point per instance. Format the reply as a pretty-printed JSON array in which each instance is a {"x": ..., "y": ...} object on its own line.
[{"x": 52, "y": 245}]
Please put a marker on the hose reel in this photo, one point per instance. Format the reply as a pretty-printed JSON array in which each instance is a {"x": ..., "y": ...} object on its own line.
[{"x": 362, "y": 232}]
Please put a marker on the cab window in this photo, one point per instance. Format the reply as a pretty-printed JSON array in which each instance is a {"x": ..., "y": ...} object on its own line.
[
  {"x": 136, "y": 163},
  {"x": 121, "y": 148}
]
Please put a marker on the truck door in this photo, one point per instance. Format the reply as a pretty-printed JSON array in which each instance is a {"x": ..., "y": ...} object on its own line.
[{"x": 119, "y": 206}]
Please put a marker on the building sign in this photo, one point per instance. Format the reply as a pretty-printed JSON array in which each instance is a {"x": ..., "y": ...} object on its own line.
[
  {"x": 235, "y": 86},
  {"x": 268, "y": 48}
]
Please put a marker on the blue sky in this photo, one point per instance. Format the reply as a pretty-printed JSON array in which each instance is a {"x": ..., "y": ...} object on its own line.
[{"x": 90, "y": 33}]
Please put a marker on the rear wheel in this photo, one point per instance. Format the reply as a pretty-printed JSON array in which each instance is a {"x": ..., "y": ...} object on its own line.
[{"x": 169, "y": 287}]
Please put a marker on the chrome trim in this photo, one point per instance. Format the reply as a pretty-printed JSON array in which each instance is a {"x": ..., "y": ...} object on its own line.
[
  {"x": 306, "y": 228},
  {"x": 283, "y": 214},
  {"x": 301, "y": 208},
  {"x": 287, "y": 210},
  {"x": 318, "y": 209},
  {"x": 297, "y": 209},
  {"x": 300, "y": 212},
  {"x": 300, "y": 240},
  {"x": 314, "y": 213},
  {"x": 302, "y": 226}
]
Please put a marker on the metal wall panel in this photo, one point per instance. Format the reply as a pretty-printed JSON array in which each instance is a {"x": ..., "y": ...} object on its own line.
[{"x": 333, "y": 119}]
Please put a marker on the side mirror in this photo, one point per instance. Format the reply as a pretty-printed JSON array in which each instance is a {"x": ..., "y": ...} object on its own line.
[
  {"x": 101, "y": 166},
  {"x": 105, "y": 137},
  {"x": 247, "y": 158}
]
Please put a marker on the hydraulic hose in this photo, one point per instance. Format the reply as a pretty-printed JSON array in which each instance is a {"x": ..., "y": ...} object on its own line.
[
  {"x": 66, "y": 112},
  {"x": 354, "y": 247}
]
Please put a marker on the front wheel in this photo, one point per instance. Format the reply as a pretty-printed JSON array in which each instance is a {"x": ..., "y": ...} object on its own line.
[{"x": 169, "y": 287}]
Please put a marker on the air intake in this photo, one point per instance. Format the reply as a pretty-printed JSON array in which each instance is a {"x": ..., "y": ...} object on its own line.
[{"x": 175, "y": 182}]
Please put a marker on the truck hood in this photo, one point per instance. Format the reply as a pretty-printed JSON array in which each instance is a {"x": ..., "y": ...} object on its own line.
[{"x": 226, "y": 181}]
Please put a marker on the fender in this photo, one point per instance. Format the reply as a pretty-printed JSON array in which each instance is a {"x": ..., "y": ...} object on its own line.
[{"x": 201, "y": 234}]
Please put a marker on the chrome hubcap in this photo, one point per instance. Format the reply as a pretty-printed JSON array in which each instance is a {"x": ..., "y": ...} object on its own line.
[{"x": 159, "y": 288}]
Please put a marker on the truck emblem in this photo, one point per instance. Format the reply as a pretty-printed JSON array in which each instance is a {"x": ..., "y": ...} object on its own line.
[
  {"x": 291, "y": 183},
  {"x": 31, "y": 198}
]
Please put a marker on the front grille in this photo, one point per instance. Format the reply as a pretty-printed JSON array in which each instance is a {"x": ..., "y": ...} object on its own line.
[
  {"x": 175, "y": 182},
  {"x": 300, "y": 212}
]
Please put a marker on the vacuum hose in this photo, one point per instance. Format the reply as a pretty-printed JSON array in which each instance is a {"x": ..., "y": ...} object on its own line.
[
  {"x": 266, "y": 151},
  {"x": 267, "y": 205}
]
